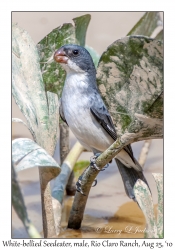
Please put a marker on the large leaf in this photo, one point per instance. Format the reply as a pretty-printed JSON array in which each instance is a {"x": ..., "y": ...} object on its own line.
[
  {"x": 27, "y": 154},
  {"x": 159, "y": 183},
  {"x": 160, "y": 36},
  {"x": 20, "y": 208},
  {"x": 147, "y": 24},
  {"x": 154, "y": 227},
  {"x": 53, "y": 74},
  {"x": 39, "y": 107},
  {"x": 81, "y": 25},
  {"x": 144, "y": 199},
  {"x": 130, "y": 78}
]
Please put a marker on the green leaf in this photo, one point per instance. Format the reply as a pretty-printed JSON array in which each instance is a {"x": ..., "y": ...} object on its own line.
[
  {"x": 81, "y": 25},
  {"x": 39, "y": 107},
  {"x": 20, "y": 208},
  {"x": 27, "y": 154},
  {"x": 147, "y": 24},
  {"x": 159, "y": 183},
  {"x": 130, "y": 79},
  {"x": 41, "y": 111},
  {"x": 160, "y": 36},
  {"x": 95, "y": 56},
  {"x": 53, "y": 74},
  {"x": 144, "y": 199}
]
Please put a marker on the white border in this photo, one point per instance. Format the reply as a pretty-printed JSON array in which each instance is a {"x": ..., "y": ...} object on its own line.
[{"x": 5, "y": 93}]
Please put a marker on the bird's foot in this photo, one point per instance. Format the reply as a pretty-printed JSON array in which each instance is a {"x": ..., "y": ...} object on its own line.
[
  {"x": 78, "y": 184},
  {"x": 92, "y": 162},
  {"x": 94, "y": 183},
  {"x": 94, "y": 165}
]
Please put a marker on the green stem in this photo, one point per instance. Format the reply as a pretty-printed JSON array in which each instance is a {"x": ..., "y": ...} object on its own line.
[{"x": 61, "y": 181}]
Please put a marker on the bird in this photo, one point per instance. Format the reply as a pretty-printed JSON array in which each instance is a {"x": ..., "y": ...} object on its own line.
[{"x": 84, "y": 111}]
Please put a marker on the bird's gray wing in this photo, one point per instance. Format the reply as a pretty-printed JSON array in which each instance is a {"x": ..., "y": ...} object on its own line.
[
  {"x": 61, "y": 112},
  {"x": 102, "y": 115}
]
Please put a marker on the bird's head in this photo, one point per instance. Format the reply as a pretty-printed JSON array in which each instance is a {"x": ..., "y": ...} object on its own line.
[{"x": 75, "y": 58}]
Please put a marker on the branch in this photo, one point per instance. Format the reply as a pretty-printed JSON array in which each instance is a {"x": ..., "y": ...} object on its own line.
[{"x": 77, "y": 211}]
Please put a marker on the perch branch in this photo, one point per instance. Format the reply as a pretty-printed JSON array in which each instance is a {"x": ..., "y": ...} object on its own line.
[
  {"x": 76, "y": 214},
  {"x": 77, "y": 211}
]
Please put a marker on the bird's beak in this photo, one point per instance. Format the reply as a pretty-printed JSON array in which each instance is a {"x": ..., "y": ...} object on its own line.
[{"x": 60, "y": 56}]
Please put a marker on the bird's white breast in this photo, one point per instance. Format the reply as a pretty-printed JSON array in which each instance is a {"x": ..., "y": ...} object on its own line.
[{"x": 76, "y": 104}]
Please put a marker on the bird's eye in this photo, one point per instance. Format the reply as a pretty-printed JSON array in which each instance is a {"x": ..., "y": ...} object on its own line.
[{"x": 75, "y": 52}]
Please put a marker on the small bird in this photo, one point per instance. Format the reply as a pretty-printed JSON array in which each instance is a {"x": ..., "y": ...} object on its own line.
[{"x": 83, "y": 109}]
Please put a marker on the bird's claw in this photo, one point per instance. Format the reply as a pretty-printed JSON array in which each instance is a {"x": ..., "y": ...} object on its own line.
[
  {"x": 78, "y": 186},
  {"x": 92, "y": 162},
  {"x": 105, "y": 167},
  {"x": 94, "y": 165},
  {"x": 94, "y": 183}
]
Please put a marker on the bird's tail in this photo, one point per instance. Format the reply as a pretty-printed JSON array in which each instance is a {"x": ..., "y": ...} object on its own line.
[{"x": 130, "y": 176}]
